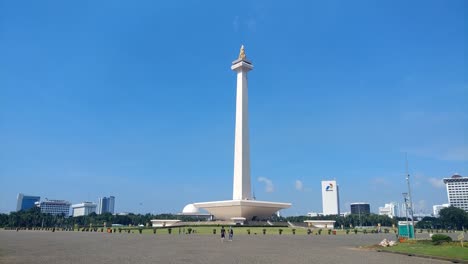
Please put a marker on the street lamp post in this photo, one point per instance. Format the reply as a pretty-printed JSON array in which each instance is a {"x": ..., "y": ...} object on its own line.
[{"x": 410, "y": 202}]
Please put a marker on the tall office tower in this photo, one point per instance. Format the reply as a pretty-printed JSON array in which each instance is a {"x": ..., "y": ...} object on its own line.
[
  {"x": 102, "y": 205},
  {"x": 106, "y": 205},
  {"x": 457, "y": 191},
  {"x": 25, "y": 202},
  {"x": 111, "y": 201},
  {"x": 330, "y": 198}
]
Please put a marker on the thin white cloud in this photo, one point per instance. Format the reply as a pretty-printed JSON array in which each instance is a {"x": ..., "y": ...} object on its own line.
[
  {"x": 436, "y": 183},
  {"x": 235, "y": 24},
  {"x": 420, "y": 206},
  {"x": 418, "y": 175},
  {"x": 380, "y": 181},
  {"x": 251, "y": 24},
  {"x": 433, "y": 118},
  {"x": 458, "y": 153},
  {"x": 299, "y": 186},
  {"x": 268, "y": 184},
  {"x": 244, "y": 24},
  {"x": 417, "y": 178}
]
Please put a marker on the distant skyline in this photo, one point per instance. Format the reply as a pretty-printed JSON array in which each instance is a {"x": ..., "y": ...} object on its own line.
[{"x": 137, "y": 100}]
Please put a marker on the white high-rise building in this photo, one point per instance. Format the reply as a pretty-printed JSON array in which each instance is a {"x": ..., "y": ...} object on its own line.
[
  {"x": 403, "y": 211},
  {"x": 55, "y": 207},
  {"x": 330, "y": 198},
  {"x": 457, "y": 191},
  {"x": 389, "y": 209},
  {"x": 84, "y": 208},
  {"x": 436, "y": 209}
]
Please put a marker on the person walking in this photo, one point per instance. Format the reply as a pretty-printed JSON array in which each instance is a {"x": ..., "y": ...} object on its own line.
[
  {"x": 223, "y": 233},
  {"x": 231, "y": 234}
]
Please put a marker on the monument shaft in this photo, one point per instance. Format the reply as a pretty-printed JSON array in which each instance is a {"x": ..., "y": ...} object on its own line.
[
  {"x": 241, "y": 208},
  {"x": 241, "y": 186}
]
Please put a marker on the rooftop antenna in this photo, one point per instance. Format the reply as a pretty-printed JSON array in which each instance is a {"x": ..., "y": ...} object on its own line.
[{"x": 410, "y": 203}]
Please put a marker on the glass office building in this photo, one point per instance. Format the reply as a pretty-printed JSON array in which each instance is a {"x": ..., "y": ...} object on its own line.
[
  {"x": 106, "y": 205},
  {"x": 26, "y": 202}
]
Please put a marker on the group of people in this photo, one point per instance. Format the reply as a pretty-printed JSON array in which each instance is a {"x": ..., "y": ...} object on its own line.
[{"x": 223, "y": 233}]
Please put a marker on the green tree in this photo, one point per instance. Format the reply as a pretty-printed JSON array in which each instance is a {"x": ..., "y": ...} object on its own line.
[
  {"x": 430, "y": 223},
  {"x": 453, "y": 217}
]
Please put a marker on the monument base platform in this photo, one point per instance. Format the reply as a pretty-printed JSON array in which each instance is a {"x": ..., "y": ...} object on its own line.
[{"x": 237, "y": 209}]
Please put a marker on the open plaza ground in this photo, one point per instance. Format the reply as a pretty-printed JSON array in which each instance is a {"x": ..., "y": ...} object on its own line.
[{"x": 85, "y": 247}]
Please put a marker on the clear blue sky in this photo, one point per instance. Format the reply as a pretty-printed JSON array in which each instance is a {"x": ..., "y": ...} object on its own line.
[{"x": 136, "y": 99}]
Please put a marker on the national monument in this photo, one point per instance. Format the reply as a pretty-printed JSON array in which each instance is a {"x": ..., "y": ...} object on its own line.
[{"x": 242, "y": 207}]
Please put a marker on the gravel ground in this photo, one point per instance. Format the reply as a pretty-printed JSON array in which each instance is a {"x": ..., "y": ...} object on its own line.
[{"x": 78, "y": 247}]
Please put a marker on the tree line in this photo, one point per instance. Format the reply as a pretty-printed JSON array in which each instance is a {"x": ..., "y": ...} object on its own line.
[
  {"x": 34, "y": 218},
  {"x": 450, "y": 218},
  {"x": 352, "y": 220}
]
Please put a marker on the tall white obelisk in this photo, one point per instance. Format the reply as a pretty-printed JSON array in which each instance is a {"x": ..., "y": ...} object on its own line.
[
  {"x": 241, "y": 186},
  {"x": 242, "y": 207}
]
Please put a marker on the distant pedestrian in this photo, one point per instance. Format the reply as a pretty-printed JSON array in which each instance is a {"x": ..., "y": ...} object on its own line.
[
  {"x": 231, "y": 234},
  {"x": 223, "y": 233}
]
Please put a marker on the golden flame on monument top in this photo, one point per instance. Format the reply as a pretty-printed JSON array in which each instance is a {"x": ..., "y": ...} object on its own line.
[{"x": 242, "y": 53}]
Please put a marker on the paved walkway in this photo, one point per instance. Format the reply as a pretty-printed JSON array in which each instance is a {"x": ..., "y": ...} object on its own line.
[{"x": 78, "y": 247}]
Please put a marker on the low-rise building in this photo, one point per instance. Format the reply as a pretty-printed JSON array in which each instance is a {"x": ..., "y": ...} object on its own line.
[
  {"x": 84, "y": 208},
  {"x": 389, "y": 209},
  {"x": 164, "y": 222},
  {"x": 55, "y": 207},
  {"x": 436, "y": 209},
  {"x": 312, "y": 214},
  {"x": 321, "y": 223},
  {"x": 360, "y": 208}
]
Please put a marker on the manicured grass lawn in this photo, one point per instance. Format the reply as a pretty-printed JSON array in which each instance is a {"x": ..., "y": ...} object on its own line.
[
  {"x": 452, "y": 250},
  {"x": 208, "y": 230}
]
